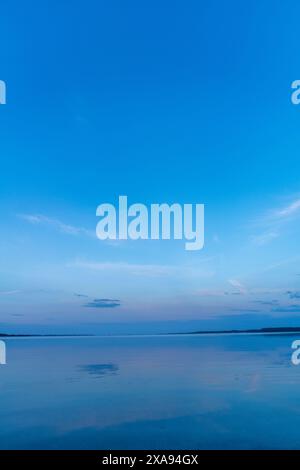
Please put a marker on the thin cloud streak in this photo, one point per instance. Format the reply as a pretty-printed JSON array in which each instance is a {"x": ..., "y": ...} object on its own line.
[
  {"x": 280, "y": 215},
  {"x": 275, "y": 220},
  {"x": 10, "y": 292},
  {"x": 151, "y": 270},
  {"x": 238, "y": 285},
  {"x": 264, "y": 238},
  {"x": 56, "y": 224},
  {"x": 289, "y": 210}
]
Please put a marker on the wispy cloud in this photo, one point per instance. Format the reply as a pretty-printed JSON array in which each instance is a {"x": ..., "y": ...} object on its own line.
[
  {"x": 262, "y": 294},
  {"x": 281, "y": 263},
  {"x": 10, "y": 292},
  {"x": 287, "y": 309},
  {"x": 273, "y": 221},
  {"x": 269, "y": 303},
  {"x": 264, "y": 238},
  {"x": 291, "y": 209},
  {"x": 38, "y": 219},
  {"x": 211, "y": 293},
  {"x": 238, "y": 285},
  {"x": 103, "y": 303},
  {"x": 280, "y": 215},
  {"x": 150, "y": 270}
]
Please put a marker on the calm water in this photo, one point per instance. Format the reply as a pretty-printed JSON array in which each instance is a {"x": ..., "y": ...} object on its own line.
[{"x": 150, "y": 393}]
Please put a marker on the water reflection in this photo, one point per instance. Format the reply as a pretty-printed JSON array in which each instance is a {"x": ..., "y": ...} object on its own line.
[
  {"x": 155, "y": 392},
  {"x": 99, "y": 370}
]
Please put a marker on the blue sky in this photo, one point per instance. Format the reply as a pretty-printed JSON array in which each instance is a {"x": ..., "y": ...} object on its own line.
[{"x": 162, "y": 102}]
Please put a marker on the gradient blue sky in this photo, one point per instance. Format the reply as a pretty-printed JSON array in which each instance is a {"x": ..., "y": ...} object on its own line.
[{"x": 164, "y": 102}]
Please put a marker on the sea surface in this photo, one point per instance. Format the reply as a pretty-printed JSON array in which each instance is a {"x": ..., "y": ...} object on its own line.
[{"x": 152, "y": 392}]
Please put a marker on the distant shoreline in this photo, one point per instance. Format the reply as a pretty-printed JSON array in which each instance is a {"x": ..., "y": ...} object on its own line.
[
  {"x": 284, "y": 330},
  {"x": 9, "y": 335},
  {"x": 249, "y": 331}
]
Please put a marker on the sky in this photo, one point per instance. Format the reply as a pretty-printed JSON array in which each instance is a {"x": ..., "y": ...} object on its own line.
[{"x": 165, "y": 102}]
